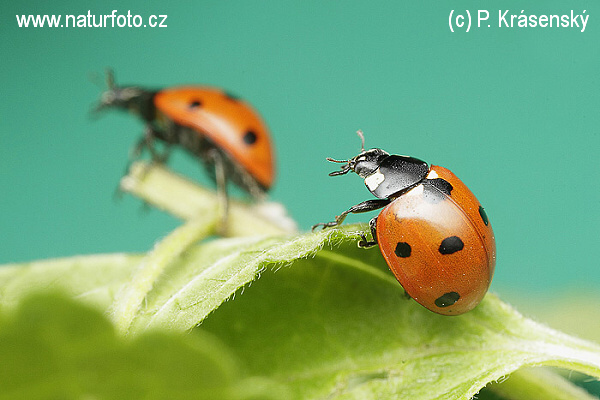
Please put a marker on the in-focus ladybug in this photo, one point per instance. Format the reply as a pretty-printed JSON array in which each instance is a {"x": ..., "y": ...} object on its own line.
[
  {"x": 226, "y": 133},
  {"x": 433, "y": 233}
]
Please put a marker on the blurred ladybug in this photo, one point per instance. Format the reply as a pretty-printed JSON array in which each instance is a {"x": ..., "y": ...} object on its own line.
[
  {"x": 226, "y": 133},
  {"x": 433, "y": 233}
]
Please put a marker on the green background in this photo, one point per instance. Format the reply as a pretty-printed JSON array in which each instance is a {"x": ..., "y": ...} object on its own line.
[{"x": 513, "y": 112}]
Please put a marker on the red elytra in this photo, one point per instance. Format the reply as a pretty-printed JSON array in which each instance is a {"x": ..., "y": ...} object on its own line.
[
  {"x": 226, "y": 133},
  {"x": 231, "y": 124},
  {"x": 442, "y": 248}
]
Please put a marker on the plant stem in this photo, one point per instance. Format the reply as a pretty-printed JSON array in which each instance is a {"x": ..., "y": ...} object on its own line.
[{"x": 186, "y": 200}]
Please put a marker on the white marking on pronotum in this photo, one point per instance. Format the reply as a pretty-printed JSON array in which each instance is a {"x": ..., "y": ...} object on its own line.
[
  {"x": 374, "y": 180},
  {"x": 416, "y": 191},
  {"x": 432, "y": 175}
]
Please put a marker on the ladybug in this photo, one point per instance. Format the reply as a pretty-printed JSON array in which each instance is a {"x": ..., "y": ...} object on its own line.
[
  {"x": 223, "y": 131},
  {"x": 433, "y": 233}
]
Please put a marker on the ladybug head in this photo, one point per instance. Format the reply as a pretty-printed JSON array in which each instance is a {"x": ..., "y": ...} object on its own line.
[
  {"x": 363, "y": 164},
  {"x": 130, "y": 98}
]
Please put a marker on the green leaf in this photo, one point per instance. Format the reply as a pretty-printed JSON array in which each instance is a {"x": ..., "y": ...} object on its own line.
[
  {"x": 129, "y": 299},
  {"x": 327, "y": 328},
  {"x": 212, "y": 273},
  {"x": 539, "y": 383},
  {"x": 52, "y": 348},
  {"x": 328, "y": 320}
]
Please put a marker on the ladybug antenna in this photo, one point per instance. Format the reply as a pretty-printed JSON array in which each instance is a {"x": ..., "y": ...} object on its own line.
[
  {"x": 362, "y": 140},
  {"x": 345, "y": 168},
  {"x": 110, "y": 78},
  {"x": 109, "y": 93},
  {"x": 96, "y": 79}
]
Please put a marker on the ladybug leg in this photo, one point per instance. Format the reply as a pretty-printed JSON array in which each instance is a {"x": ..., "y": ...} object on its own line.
[
  {"x": 162, "y": 158},
  {"x": 135, "y": 154},
  {"x": 143, "y": 143},
  {"x": 363, "y": 242},
  {"x": 365, "y": 206},
  {"x": 221, "y": 179},
  {"x": 148, "y": 140}
]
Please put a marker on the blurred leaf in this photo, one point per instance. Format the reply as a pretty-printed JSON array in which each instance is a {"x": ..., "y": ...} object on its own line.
[
  {"x": 574, "y": 311},
  {"x": 92, "y": 279},
  {"x": 539, "y": 383},
  {"x": 52, "y": 348}
]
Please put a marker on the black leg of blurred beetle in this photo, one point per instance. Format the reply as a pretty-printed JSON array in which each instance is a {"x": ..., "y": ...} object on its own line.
[
  {"x": 365, "y": 206},
  {"x": 134, "y": 154},
  {"x": 164, "y": 157},
  {"x": 221, "y": 179},
  {"x": 145, "y": 142},
  {"x": 148, "y": 140},
  {"x": 363, "y": 242}
]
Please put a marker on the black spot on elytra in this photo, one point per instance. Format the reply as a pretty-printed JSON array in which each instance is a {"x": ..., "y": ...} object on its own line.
[
  {"x": 451, "y": 245},
  {"x": 250, "y": 137},
  {"x": 435, "y": 189},
  {"x": 195, "y": 104},
  {"x": 484, "y": 216},
  {"x": 231, "y": 96},
  {"x": 402, "y": 249},
  {"x": 447, "y": 299}
]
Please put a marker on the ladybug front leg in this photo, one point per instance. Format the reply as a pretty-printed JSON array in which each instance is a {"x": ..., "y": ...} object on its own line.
[
  {"x": 135, "y": 153},
  {"x": 147, "y": 142},
  {"x": 363, "y": 242},
  {"x": 365, "y": 206}
]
